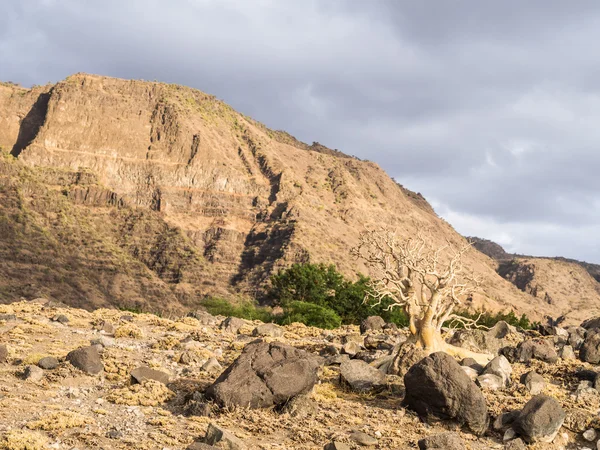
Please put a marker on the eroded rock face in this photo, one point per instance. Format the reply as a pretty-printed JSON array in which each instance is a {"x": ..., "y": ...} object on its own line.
[
  {"x": 437, "y": 386},
  {"x": 264, "y": 375}
]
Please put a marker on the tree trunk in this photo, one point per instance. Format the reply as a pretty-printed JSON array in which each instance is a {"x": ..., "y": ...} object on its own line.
[{"x": 429, "y": 339}]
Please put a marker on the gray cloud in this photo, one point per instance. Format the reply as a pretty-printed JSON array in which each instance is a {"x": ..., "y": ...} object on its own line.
[{"x": 490, "y": 109}]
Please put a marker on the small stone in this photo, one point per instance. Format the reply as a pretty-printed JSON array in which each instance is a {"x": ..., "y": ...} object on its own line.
[
  {"x": 3, "y": 353},
  {"x": 268, "y": 329},
  {"x": 505, "y": 420},
  {"x": 301, "y": 407},
  {"x": 146, "y": 373},
  {"x": 567, "y": 353},
  {"x": 335, "y": 445},
  {"x": 361, "y": 377},
  {"x": 104, "y": 341},
  {"x": 363, "y": 439},
  {"x": 501, "y": 367},
  {"x": 372, "y": 323},
  {"x": 60, "y": 318},
  {"x": 33, "y": 373},
  {"x": 48, "y": 363},
  {"x": 470, "y": 362},
  {"x": 225, "y": 439},
  {"x": 472, "y": 373},
  {"x": 515, "y": 444},
  {"x": 590, "y": 435},
  {"x": 508, "y": 435},
  {"x": 442, "y": 441},
  {"x": 534, "y": 382},
  {"x": 351, "y": 348},
  {"x": 489, "y": 382},
  {"x": 233, "y": 325},
  {"x": 86, "y": 359},
  {"x": 114, "y": 434},
  {"x": 105, "y": 327},
  {"x": 212, "y": 366}
]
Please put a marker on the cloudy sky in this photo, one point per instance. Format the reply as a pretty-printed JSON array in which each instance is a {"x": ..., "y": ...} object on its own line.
[{"x": 490, "y": 109}]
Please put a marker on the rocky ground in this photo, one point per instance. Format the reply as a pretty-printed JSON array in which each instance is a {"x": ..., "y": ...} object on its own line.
[{"x": 110, "y": 379}]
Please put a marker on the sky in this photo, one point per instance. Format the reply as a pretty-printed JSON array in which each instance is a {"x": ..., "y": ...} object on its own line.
[{"x": 490, "y": 109}]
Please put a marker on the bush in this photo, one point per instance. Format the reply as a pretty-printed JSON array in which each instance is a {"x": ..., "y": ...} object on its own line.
[
  {"x": 312, "y": 283},
  {"x": 311, "y": 315},
  {"x": 243, "y": 309},
  {"x": 324, "y": 286}
]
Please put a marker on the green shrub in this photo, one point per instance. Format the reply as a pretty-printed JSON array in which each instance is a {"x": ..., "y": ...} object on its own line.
[
  {"x": 312, "y": 283},
  {"x": 324, "y": 286},
  {"x": 243, "y": 310},
  {"x": 310, "y": 314}
]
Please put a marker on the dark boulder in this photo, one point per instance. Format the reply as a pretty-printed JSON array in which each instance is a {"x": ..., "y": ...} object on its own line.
[
  {"x": 540, "y": 419},
  {"x": 437, "y": 386},
  {"x": 264, "y": 375},
  {"x": 86, "y": 359},
  {"x": 540, "y": 349}
]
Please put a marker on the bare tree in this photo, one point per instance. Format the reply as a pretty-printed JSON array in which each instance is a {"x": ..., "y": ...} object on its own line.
[{"x": 427, "y": 283}]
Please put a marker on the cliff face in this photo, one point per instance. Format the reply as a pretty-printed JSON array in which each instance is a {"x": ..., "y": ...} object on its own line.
[{"x": 195, "y": 197}]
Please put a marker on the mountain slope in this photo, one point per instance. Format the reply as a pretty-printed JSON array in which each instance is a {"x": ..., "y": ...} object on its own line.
[
  {"x": 569, "y": 286},
  {"x": 241, "y": 200}
]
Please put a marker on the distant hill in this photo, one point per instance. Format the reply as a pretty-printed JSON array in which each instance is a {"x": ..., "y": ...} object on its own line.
[{"x": 569, "y": 284}]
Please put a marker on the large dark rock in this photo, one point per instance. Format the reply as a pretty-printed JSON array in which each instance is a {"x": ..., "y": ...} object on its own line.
[
  {"x": 86, "y": 359},
  {"x": 264, "y": 375},
  {"x": 540, "y": 419},
  {"x": 590, "y": 349},
  {"x": 437, "y": 386},
  {"x": 442, "y": 441},
  {"x": 372, "y": 323},
  {"x": 361, "y": 377},
  {"x": 541, "y": 349}
]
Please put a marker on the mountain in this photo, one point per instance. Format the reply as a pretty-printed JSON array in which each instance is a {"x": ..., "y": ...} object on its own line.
[
  {"x": 570, "y": 286},
  {"x": 152, "y": 195}
]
